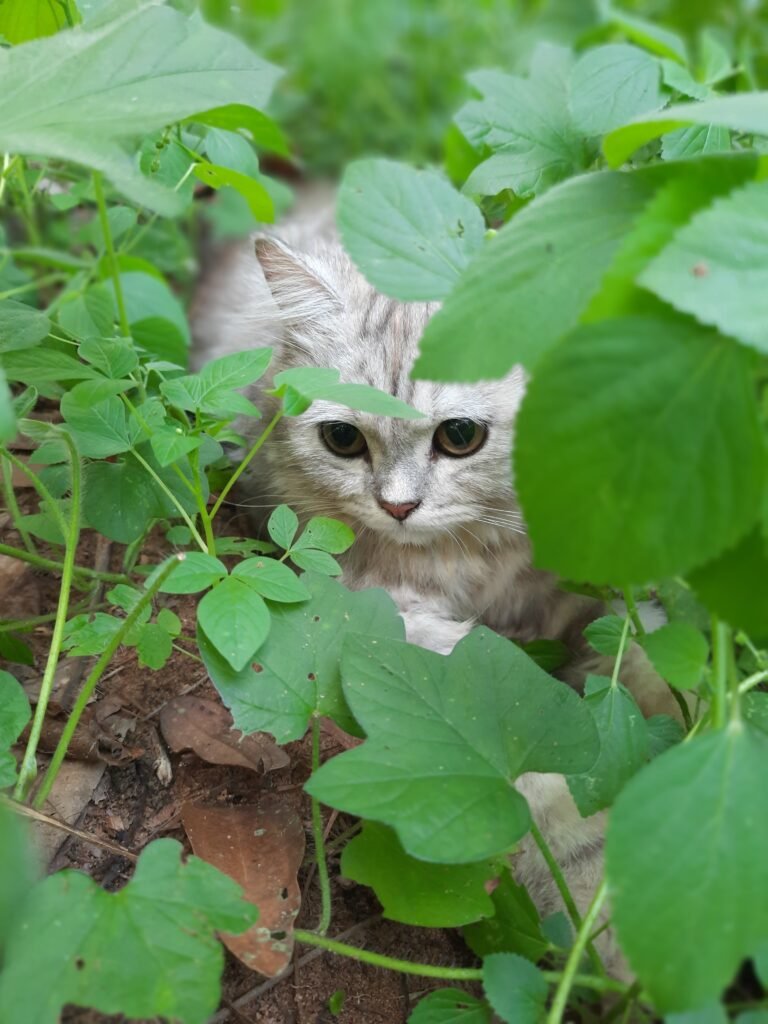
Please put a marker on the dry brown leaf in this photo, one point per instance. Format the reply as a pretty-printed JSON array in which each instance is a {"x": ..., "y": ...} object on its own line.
[
  {"x": 260, "y": 846},
  {"x": 192, "y": 723},
  {"x": 72, "y": 792},
  {"x": 19, "y": 590}
]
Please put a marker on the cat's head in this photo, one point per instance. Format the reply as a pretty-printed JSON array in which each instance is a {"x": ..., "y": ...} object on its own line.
[{"x": 406, "y": 480}]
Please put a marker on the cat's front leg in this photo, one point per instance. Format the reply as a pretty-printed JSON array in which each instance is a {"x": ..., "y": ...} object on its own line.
[{"x": 428, "y": 621}]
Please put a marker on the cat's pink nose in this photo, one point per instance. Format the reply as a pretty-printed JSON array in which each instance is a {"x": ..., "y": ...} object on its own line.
[{"x": 401, "y": 511}]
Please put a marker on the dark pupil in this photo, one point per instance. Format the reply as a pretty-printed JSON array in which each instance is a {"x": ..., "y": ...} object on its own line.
[
  {"x": 460, "y": 433},
  {"x": 343, "y": 435}
]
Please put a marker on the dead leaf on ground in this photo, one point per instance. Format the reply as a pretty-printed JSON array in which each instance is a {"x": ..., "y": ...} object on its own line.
[
  {"x": 72, "y": 792},
  {"x": 192, "y": 723},
  {"x": 260, "y": 846},
  {"x": 19, "y": 589},
  {"x": 100, "y": 735}
]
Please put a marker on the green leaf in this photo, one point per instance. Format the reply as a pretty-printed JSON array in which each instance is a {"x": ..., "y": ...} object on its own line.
[
  {"x": 515, "y": 988},
  {"x": 14, "y": 715},
  {"x": 153, "y": 646},
  {"x": 230, "y": 149},
  {"x": 7, "y": 412},
  {"x": 312, "y": 560},
  {"x": 526, "y": 124},
  {"x": 282, "y": 526},
  {"x": 725, "y": 286},
  {"x": 21, "y": 326},
  {"x": 410, "y": 232},
  {"x": 120, "y": 500},
  {"x": 612, "y": 84},
  {"x": 678, "y": 652},
  {"x": 653, "y": 37},
  {"x": 258, "y": 198},
  {"x": 99, "y": 430},
  {"x": 171, "y": 443},
  {"x": 688, "y": 142},
  {"x": 14, "y": 649},
  {"x": 263, "y": 130},
  {"x": 163, "y": 923},
  {"x": 714, "y": 1014},
  {"x": 743, "y": 112},
  {"x": 735, "y": 586},
  {"x": 515, "y": 926},
  {"x": 115, "y": 358},
  {"x": 412, "y": 891},
  {"x": 604, "y": 634},
  {"x": 429, "y": 717},
  {"x": 90, "y": 315},
  {"x": 686, "y": 941},
  {"x": 272, "y": 579},
  {"x": 304, "y": 384},
  {"x": 129, "y": 77},
  {"x": 296, "y": 672},
  {"x": 21, "y": 20},
  {"x": 623, "y": 746},
  {"x": 90, "y": 634},
  {"x": 157, "y": 319},
  {"x": 235, "y": 620},
  {"x": 17, "y": 869},
  {"x": 451, "y": 1006},
  {"x": 40, "y": 366},
  {"x": 170, "y": 621},
  {"x": 326, "y": 534},
  {"x": 197, "y": 572},
  {"x": 124, "y": 596},
  {"x": 663, "y": 732},
  {"x": 660, "y": 470},
  {"x": 212, "y": 389},
  {"x": 529, "y": 285}
]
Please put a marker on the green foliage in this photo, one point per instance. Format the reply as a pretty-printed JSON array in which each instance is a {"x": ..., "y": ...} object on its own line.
[
  {"x": 14, "y": 715},
  {"x": 163, "y": 922},
  {"x": 515, "y": 926},
  {"x": 451, "y": 1006},
  {"x": 678, "y": 652},
  {"x": 422, "y": 715},
  {"x": 514, "y": 987}
]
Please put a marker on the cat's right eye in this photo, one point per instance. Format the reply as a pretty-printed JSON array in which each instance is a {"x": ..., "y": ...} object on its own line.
[{"x": 343, "y": 439}]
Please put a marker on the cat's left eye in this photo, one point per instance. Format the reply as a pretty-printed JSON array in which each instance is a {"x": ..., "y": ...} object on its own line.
[
  {"x": 459, "y": 437},
  {"x": 343, "y": 439}
]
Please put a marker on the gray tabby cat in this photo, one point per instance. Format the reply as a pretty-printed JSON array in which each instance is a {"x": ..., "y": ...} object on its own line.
[{"x": 432, "y": 501}]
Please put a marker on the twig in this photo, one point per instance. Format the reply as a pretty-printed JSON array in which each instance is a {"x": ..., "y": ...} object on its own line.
[{"x": 30, "y": 812}]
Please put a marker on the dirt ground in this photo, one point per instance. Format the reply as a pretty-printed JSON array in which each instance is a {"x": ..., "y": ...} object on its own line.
[{"x": 131, "y": 790}]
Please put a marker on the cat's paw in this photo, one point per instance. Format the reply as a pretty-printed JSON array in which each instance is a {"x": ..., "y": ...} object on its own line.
[{"x": 428, "y": 628}]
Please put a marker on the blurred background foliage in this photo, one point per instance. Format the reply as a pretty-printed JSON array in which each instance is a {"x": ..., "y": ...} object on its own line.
[{"x": 385, "y": 76}]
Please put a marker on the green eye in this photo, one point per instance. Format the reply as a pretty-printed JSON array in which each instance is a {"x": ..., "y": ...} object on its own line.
[
  {"x": 459, "y": 437},
  {"x": 343, "y": 439}
]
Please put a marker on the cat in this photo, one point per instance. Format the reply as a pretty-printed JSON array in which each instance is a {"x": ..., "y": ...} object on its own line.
[{"x": 432, "y": 501}]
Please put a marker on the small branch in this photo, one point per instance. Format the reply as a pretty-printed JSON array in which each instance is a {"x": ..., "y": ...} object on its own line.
[
  {"x": 50, "y": 563},
  {"x": 720, "y": 643},
  {"x": 236, "y": 475},
  {"x": 317, "y": 832},
  {"x": 14, "y": 510},
  {"x": 569, "y": 977},
  {"x": 95, "y": 675},
  {"x": 387, "y": 962},
  {"x": 106, "y": 232},
  {"x": 633, "y": 612},
  {"x": 45, "y": 819}
]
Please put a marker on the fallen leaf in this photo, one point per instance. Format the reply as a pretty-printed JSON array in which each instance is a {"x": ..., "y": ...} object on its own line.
[
  {"x": 72, "y": 792},
  {"x": 192, "y": 723},
  {"x": 19, "y": 589},
  {"x": 260, "y": 846}
]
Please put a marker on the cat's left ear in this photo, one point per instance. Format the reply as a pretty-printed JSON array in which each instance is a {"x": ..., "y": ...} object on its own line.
[{"x": 301, "y": 294}]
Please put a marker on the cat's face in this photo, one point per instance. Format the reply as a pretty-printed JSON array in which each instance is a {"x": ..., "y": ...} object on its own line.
[{"x": 406, "y": 480}]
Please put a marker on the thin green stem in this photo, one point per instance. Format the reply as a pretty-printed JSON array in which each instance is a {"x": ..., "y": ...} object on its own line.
[
  {"x": 752, "y": 681},
  {"x": 633, "y": 612},
  {"x": 189, "y": 654},
  {"x": 26, "y": 625},
  {"x": 568, "y": 978},
  {"x": 317, "y": 832},
  {"x": 50, "y": 563},
  {"x": 13, "y": 508},
  {"x": 202, "y": 511},
  {"x": 28, "y": 769},
  {"x": 390, "y": 963},
  {"x": 40, "y": 487},
  {"x": 32, "y": 286},
  {"x": 114, "y": 268},
  {"x": 95, "y": 674},
  {"x": 28, "y": 210},
  {"x": 236, "y": 475},
  {"x": 720, "y": 644},
  {"x": 620, "y": 652},
  {"x": 565, "y": 894},
  {"x": 172, "y": 498}
]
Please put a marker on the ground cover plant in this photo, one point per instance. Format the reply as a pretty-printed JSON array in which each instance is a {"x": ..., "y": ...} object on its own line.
[{"x": 601, "y": 219}]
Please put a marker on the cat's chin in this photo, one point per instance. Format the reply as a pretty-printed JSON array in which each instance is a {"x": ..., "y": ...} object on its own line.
[{"x": 410, "y": 535}]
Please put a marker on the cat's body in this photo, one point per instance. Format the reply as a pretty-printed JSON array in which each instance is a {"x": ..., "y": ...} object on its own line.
[{"x": 442, "y": 533}]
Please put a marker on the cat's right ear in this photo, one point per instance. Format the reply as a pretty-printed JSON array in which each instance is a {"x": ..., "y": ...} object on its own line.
[{"x": 302, "y": 296}]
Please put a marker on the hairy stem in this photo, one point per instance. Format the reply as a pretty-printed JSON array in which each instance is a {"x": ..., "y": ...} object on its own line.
[
  {"x": 632, "y": 611},
  {"x": 50, "y": 563},
  {"x": 28, "y": 768},
  {"x": 13, "y": 508},
  {"x": 317, "y": 832},
  {"x": 93, "y": 677},
  {"x": 109, "y": 246},
  {"x": 565, "y": 895},
  {"x": 568, "y": 977},
  {"x": 236, "y": 475},
  {"x": 40, "y": 487}
]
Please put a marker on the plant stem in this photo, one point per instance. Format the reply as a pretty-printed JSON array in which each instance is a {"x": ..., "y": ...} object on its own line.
[
  {"x": 632, "y": 611},
  {"x": 26, "y": 625},
  {"x": 565, "y": 894},
  {"x": 720, "y": 644},
  {"x": 93, "y": 677},
  {"x": 28, "y": 206},
  {"x": 752, "y": 681},
  {"x": 317, "y": 832},
  {"x": 111, "y": 257},
  {"x": 50, "y": 563},
  {"x": 568, "y": 979},
  {"x": 32, "y": 286},
  {"x": 620, "y": 652},
  {"x": 172, "y": 497},
  {"x": 235, "y": 476},
  {"x": 13, "y": 508},
  {"x": 205, "y": 519},
  {"x": 28, "y": 768},
  {"x": 40, "y": 487},
  {"x": 445, "y": 973}
]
